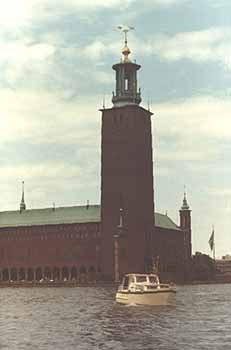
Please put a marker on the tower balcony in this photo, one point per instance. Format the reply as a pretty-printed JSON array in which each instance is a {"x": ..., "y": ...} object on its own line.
[{"x": 127, "y": 98}]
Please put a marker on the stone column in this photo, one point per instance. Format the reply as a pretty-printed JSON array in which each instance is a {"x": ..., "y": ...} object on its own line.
[
  {"x": 116, "y": 258},
  {"x": 69, "y": 273},
  {"x": 52, "y": 274},
  {"x": 10, "y": 276},
  {"x": 33, "y": 274},
  {"x": 26, "y": 274}
]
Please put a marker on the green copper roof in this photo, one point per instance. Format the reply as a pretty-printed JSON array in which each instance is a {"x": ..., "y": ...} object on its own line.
[
  {"x": 50, "y": 216},
  {"x": 164, "y": 221},
  {"x": 65, "y": 215}
]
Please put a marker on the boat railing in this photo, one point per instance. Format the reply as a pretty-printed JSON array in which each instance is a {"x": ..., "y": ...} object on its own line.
[
  {"x": 169, "y": 286},
  {"x": 164, "y": 285},
  {"x": 136, "y": 287}
]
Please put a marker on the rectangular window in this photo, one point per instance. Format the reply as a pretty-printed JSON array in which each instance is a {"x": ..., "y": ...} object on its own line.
[{"x": 126, "y": 84}]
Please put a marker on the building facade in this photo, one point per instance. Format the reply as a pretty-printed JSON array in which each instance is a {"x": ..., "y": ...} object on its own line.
[
  {"x": 122, "y": 235},
  {"x": 66, "y": 244}
]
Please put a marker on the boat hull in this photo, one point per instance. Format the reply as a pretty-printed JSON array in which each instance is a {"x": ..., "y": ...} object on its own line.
[{"x": 157, "y": 297}]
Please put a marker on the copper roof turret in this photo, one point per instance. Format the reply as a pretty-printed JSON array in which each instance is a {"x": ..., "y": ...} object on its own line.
[{"x": 22, "y": 204}]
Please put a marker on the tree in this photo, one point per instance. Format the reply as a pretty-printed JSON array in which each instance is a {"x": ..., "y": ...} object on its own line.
[{"x": 202, "y": 267}]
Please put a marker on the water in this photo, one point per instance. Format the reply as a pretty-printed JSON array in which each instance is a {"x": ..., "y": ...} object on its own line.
[{"x": 88, "y": 318}]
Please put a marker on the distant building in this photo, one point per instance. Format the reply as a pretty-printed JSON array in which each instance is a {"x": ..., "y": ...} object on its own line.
[
  {"x": 123, "y": 234},
  {"x": 226, "y": 257},
  {"x": 223, "y": 269}
]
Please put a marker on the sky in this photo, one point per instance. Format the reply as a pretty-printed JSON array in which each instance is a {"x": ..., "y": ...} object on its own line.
[{"x": 55, "y": 71}]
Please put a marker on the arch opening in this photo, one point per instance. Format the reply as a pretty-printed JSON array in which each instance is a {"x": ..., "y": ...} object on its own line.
[
  {"x": 65, "y": 273},
  {"x": 74, "y": 273},
  {"x": 5, "y": 275},
  {"x": 83, "y": 274},
  {"x": 91, "y": 274},
  {"x": 22, "y": 274},
  {"x": 47, "y": 274},
  {"x": 13, "y": 274},
  {"x": 38, "y": 274},
  {"x": 56, "y": 274},
  {"x": 30, "y": 273}
]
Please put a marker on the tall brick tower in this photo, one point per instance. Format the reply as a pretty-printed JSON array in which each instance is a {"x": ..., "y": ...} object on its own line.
[
  {"x": 185, "y": 225},
  {"x": 126, "y": 176}
]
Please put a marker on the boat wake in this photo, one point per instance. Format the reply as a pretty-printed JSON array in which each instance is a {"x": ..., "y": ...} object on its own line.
[{"x": 131, "y": 304}]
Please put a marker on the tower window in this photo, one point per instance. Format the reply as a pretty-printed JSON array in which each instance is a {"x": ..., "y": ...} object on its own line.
[{"x": 126, "y": 84}]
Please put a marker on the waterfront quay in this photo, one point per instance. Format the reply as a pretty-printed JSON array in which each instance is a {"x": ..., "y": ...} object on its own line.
[{"x": 55, "y": 284}]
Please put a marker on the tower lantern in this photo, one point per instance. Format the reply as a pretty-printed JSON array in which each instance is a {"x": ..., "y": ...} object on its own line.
[{"x": 126, "y": 77}]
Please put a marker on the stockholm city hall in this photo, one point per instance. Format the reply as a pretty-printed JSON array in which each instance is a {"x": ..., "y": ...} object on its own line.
[{"x": 102, "y": 242}]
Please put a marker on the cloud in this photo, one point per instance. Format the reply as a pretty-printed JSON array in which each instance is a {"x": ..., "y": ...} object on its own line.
[
  {"x": 20, "y": 14},
  {"x": 51, "y": 143},
  {"x": 96, "y": 50},
  {"x": 165, "y": 2},
  {"x": 193, "y": 126},
  {"x": 18, "y": 55},
  {"x": 47, "y": 117},
  {"x": 33, "y": 54},
  {"x": 192, "y": 134},
  {"x": 212, "y": 44},
  {"x": 198, "y": 117},
  {"x": 202, "y": 46},
  {"x": 220, "y": 3},
  {"x": 51, "y": 169},
  {"x": 220, "y": 191},
  {"x": 48, "y": 181},
  {"x": 14, "y": 13}
]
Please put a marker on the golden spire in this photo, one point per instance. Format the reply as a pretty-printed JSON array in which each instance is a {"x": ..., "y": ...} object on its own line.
[{"x": 125, "y": 51}]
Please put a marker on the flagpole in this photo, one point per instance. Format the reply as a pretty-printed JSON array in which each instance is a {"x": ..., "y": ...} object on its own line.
[{"x": 214, "y": 251}]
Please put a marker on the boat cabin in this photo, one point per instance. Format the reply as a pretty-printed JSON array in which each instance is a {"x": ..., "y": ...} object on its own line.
[{"x": 140, "y": 282}]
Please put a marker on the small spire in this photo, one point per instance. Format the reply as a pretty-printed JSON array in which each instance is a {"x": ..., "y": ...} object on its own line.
[
  {"x": 185, "y": 205},
  {"x": 103, "y": 102},
  {"x": 88, "y": 204},
  {"x": 22, "y": 204}
]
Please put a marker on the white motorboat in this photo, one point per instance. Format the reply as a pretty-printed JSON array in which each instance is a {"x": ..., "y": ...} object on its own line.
[{"x": 145, "y": 289}]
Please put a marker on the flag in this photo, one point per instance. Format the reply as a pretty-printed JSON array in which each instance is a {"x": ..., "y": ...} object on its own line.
[{"x": 211, "y": 240}]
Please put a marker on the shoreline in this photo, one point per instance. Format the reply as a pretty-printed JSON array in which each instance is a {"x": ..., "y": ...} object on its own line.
[
  {"x": 54, "y": 284},
  {"x": 75, "y": 284}
]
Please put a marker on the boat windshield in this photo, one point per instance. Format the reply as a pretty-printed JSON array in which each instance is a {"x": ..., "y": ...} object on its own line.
[
  {"x": 141, "y": 279},
  {"x": 153, "y": 279},
  {"x": 125, "y": 282}
]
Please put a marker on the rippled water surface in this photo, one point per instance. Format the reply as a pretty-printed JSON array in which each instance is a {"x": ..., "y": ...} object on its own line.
[{"x": 88, "y": 318}]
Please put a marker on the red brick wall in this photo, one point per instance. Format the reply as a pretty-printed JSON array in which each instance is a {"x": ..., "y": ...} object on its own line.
[
  {"x": 127, "y": 182},
  {"x": 51, "y": 246},
  {"x": 169, "y": 246}
]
